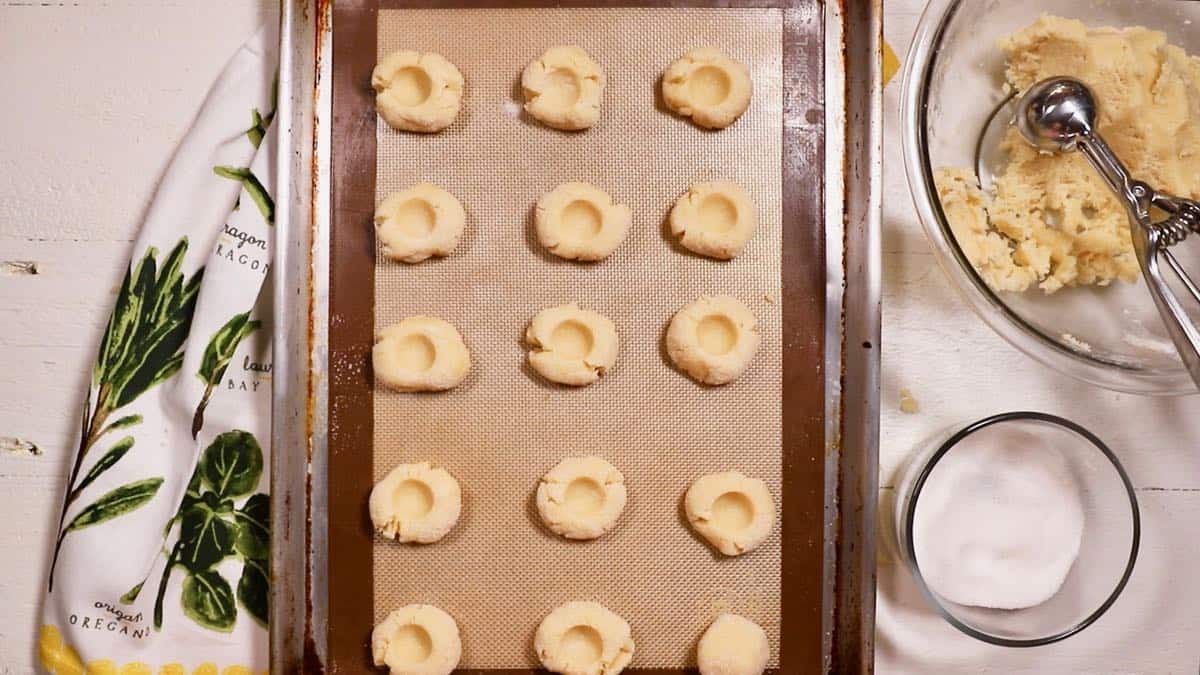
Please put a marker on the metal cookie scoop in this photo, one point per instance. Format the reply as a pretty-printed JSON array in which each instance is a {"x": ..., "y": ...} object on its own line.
[{"x": 1059, "y": 114}]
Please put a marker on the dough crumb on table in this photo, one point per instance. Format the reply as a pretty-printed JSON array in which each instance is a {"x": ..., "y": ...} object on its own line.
[
  {"x": 1052, "y": 221},
  {"x": 417, "y": 92}
]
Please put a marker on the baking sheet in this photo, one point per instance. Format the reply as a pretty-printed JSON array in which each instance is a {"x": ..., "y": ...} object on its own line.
[
  {"x": 322, "y": 560},
  {"x": 499, "y": 572}
]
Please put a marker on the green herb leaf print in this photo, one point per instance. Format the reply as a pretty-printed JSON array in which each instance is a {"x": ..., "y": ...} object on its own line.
[
  {"x": 123, "y": 422},
  {"x": 205, "y": 536},
  {"x": 222, "y": 345},
  {"x": 208, "y": 600},
  {"x": 220, "y": 349},
  {"x": 253, "y": 540},
  {"x": 259, "y": 123},
  {"x": 213, "y": 528},
  {"x": 253, "y": 187},
  {"x": 131, "y": 595},
  {"x": 142, "y": 346},
  {"x": 114, "y": 454},
  {"x": 115, "y": 503},
  {"x": 254, "y": 590},
  {"x": 232, "y": 464}
]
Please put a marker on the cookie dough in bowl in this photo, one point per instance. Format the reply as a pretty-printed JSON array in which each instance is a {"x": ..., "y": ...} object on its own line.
[
  {"x": 417, "y": 92},
  {"x": 733, "y": 645},
  {"x": 570, "y": 345},
  {"x": 415, "y": 503},
  {"x": 420, "y": 222},
  {"x": 714, "y": 219},
  {"x": 584, "y": 638},
  {"x": 581, "y": 497},
  {"x": 732, "y": 512},
  {"x": 713, "y": 339},
  {"x": 578, "y": 221},
  {"x": 707, "y": 86},
  {"x": 563, "y": 88},
  {"x": 420, "y": 353},
  {"x": 417, "y": 640}
]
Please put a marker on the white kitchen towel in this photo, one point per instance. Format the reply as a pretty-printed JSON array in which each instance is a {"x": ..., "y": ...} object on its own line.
[{"x": 161, "y": 555}]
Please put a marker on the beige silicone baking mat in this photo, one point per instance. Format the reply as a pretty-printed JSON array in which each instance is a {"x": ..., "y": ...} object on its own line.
[{"x": 499, "y": 572}]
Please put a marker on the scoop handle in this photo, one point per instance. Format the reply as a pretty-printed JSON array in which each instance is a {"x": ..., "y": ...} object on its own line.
[
  {"x": 1148, "y": 244},
  {"x": 1114, "y": 173}
]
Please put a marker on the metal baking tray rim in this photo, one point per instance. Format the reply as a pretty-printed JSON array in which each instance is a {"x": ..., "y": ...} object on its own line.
[{"x": 300, "y": 398}]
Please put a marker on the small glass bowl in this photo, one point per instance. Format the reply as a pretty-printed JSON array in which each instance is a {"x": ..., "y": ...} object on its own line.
[
  {"x": 1108, "y": 549},
  {"x": 953, "y": 82}
]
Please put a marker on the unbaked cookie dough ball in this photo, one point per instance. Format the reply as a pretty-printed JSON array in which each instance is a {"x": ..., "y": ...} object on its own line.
[
  {"x": 563, "y": 88},
  {"x": 417, "y": 92},
  {"x": 714, "y": 219},
  {"x": 707, "y": 86},
  {"x": 734, "y": 513},
  {"x": 570, "y": 345},
  {"x": 415, "y": 503},
  {"x": 422, "y": 221},
  {"x": 584, "y": 638},
  {"x": 578, "y": 221},
  {"x": 417, "y": 640},
  {"x": 733, "y": 645},
  {"x": 713, "y": 339},
  {"x": 421, "y": 353},
  {"x": 581, "y": 497}
]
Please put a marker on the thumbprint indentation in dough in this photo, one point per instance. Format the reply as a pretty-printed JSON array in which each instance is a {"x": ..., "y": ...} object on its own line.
[
  {"x": 562, "y": 88},
  {"x": 581, "y": 646},
  {"x": 709, "y": 85},
  {"x": 572, "y": 340},
  {"x": 412, "y": 499},
  {"x": 584, "y": 496},
  {"x": 410, "y": 644},
  {"x": 581, "y": 220},
  {"x": 733, "y": 511},
  {"x": 411, "y": 86},
  {"x": 716, "y": 334},
  {"x": 416, "y": 218},
  {"x": 416, "y": 353},
  {"x": 717, "y": 213}
]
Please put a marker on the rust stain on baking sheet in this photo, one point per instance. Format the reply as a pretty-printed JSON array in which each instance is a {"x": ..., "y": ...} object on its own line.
[{"x": 311, "y": 661}]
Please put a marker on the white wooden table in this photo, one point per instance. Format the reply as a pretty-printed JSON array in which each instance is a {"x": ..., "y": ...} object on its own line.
[
  {"x": 98, "y": 98},
  {"x": 959, "y": 370}
]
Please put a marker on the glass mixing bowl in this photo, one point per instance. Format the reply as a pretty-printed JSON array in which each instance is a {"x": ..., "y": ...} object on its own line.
[
  {"x": 953, "y": 84},
  {"x": 1108, "y": 546}
]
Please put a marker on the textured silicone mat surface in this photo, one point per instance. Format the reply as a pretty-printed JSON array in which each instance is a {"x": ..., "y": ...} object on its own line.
[{"x": 499, "y": 572}]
